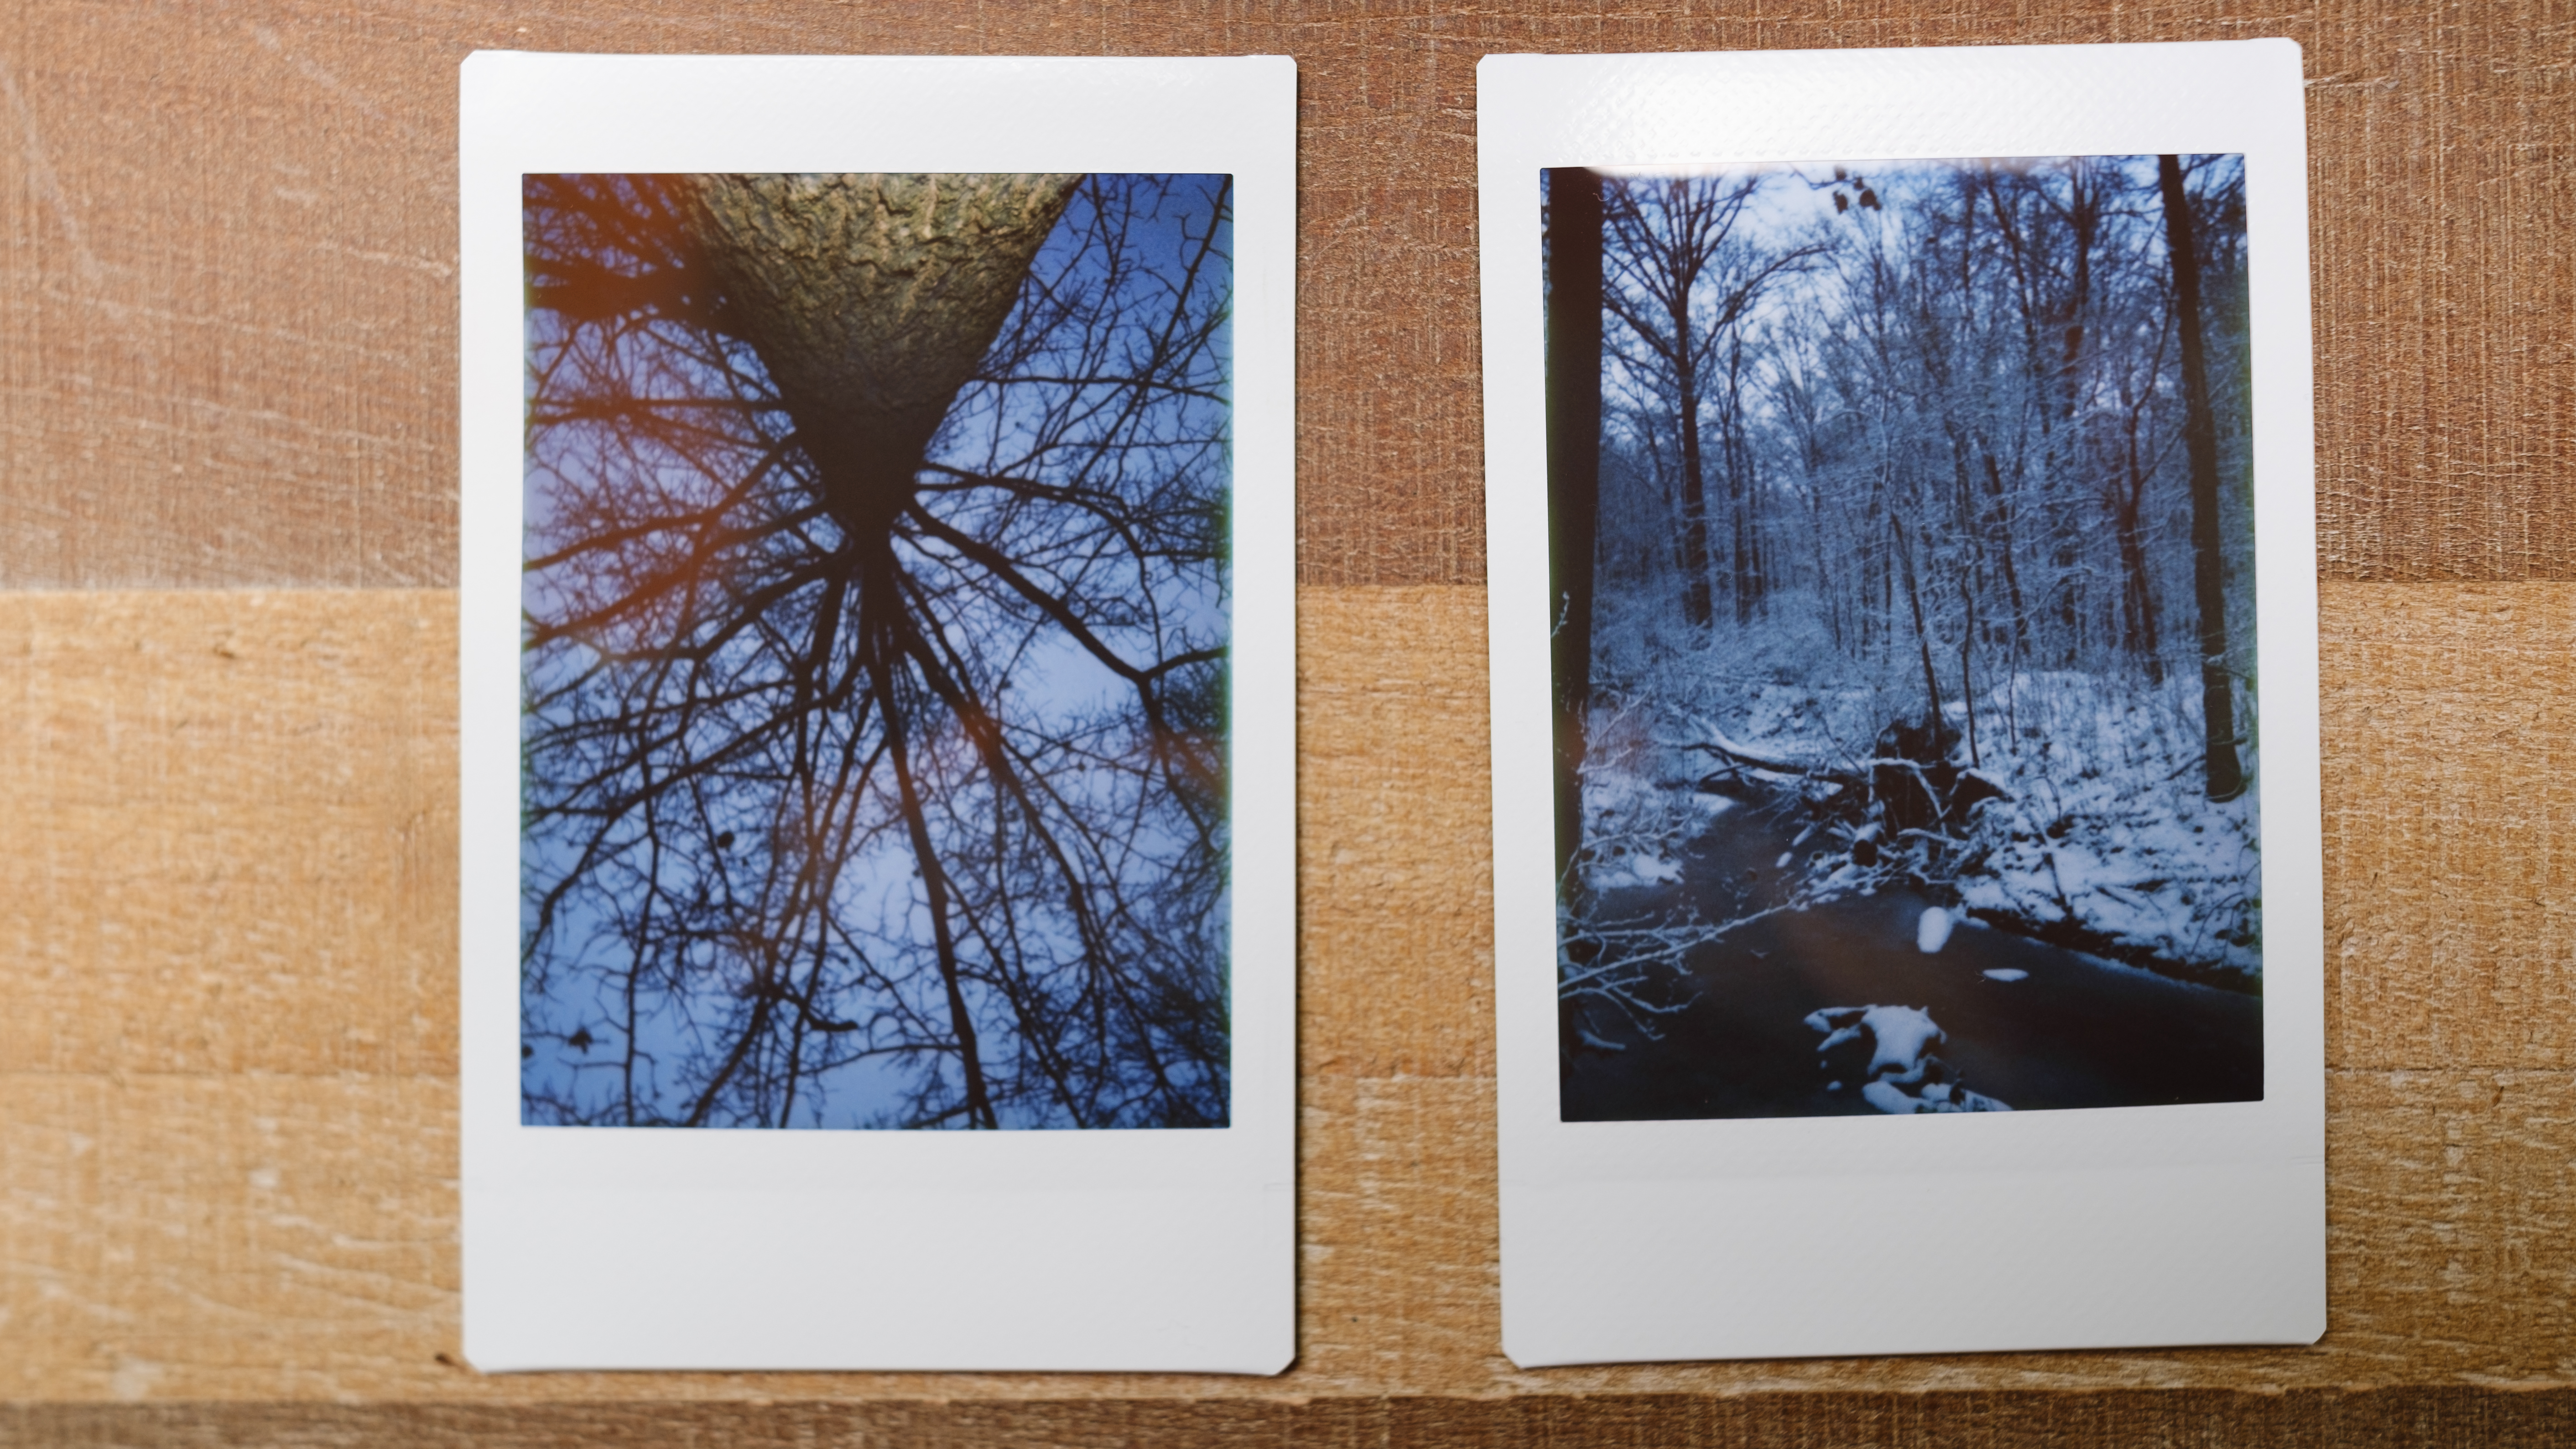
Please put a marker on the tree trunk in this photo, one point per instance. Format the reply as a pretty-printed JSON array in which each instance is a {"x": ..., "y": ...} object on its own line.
[
  {"x": 1573, "y": 479},
  {"x": 1922, "y": 635},
  {"x": 2084, "y": 218},
  {"x": 870, "y": 299},
  {"x": 1751, "y": 586},
  {"x": 2139, "y": 595},
  {"x": 2012, "y": 579},
  {"x": 1967, "y": 669},
  {"x": 2200, "y": 442},
  {"x": 1696, "y": 604}
]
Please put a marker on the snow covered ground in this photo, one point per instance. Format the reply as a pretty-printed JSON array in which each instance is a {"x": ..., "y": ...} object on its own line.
[
  {"x": 2101, "y": 838},
  {"x": 1636, "y": 822},
  {"x": 2106, "y": 827}
]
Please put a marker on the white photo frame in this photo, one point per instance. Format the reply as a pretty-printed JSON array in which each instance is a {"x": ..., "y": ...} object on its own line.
[
  {"x": 687, "y": 1248},
  {"x": 1825, "y": 1235}
]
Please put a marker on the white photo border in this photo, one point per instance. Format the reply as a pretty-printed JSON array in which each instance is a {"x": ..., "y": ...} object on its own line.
[
  {"x": 653, "y": 1248},
  {"x": 1643, "y": 1241}
]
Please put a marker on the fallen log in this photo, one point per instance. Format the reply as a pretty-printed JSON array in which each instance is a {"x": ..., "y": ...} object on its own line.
[
  {"x": 1913, "y": 792},
  {"x": 1728, "y": 750}
]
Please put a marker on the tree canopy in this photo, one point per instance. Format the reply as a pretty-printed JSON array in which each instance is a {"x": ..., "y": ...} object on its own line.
[{"x": 876, "y": 616}]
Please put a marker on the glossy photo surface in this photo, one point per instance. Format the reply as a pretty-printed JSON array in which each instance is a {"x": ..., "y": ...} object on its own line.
[
  {"x": 1904, "y": 655},
  {"x": 876, "y": 625}
]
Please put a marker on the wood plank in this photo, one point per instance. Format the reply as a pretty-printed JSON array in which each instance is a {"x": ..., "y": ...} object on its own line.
[
  {"x": 251, "y": 1237},
  {"x": 1395, "y": 834},
  {"x": 223, "y": 1236},
  {"x": 228, "y": 234},
  {"x": 2210, "y": 1418},
  {"x": 2450, "y": 797},
  {"x": 231, "y": 832}
]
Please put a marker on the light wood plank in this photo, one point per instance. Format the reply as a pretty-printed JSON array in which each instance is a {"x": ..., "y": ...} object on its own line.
[
  {"x": 1395, "y": 834},
  {"x": 250, "y": 1237},
  {"x": 2449, "y": 726},
  {"x": 230, "y": 833},
  {"x": 226, "y": 1104}
]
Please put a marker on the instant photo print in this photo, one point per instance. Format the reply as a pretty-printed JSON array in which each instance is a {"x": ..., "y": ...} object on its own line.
[
  {"x": 878, "y": 630},
  {"x": 1903, "y": 643}
]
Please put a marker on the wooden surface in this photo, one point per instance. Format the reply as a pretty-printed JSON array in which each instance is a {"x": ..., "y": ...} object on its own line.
[
  {"x": 228, "y": 245},
  {"x": 227, "y": 742}
]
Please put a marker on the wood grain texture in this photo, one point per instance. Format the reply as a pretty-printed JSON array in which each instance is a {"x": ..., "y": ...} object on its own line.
[
  {"x": 199, "y": 1238},
  {"x": 2451, "y": 827},
  {"x": 1395, "y": 834},
  {"x": 174, "y": 907},
  {"x": 228, "y": 236},
  {"x": 246, "y": 1195},
  {"x": 227, "y": 1094},
  {"x": 2203, "y": 1418}
]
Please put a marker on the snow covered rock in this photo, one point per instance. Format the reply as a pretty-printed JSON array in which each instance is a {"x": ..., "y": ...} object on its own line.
[
  {"x": 1898, "y": 1035},
  {"x": 1901, "y": 1076},
  {"x": 1932, "y": 932},
  {"x": 1935, "y": 1097}
]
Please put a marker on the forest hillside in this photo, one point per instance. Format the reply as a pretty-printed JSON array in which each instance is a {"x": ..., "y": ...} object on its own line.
[{"x": 1919, "y": 528}]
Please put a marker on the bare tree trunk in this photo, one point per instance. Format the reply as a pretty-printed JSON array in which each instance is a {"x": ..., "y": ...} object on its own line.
[
  {"x": 870, "y": 299},
  {"x": 2012, "y": 579},
  {"x": 1660, "y": 260},
  {"x": 2084, "y": 218},
  {"x": 1750, "y": 584},
  {"x": 1922, "y": 636},
  {"x": 934, "y": 884},
  {"x": 1696, "y": 605},
  {"x": 1573, "y": 479},
  {"x": 2200, "y": 442},
  {"x": 1967, "y": 671},
  {"x": 2139, "y": 595}
]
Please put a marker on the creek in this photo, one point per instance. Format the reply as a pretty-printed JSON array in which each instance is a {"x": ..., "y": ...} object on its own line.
[{"x": 2072, "y": 1030}]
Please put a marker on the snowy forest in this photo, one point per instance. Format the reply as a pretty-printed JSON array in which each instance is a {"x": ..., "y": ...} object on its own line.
[
  {"x": 875, "y": 635},
  {"x": 1903, "y": 566}
]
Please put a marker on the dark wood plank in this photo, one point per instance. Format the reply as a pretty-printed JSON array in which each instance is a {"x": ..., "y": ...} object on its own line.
[
  {"x": 2210, "y": 1418},
  {"x": 227, "y": 236}
]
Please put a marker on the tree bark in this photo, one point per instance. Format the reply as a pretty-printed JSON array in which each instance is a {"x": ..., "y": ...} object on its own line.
[
  {"x": 2003, "y": 516},
  {"x": 2139, "y": 595},
  {"x": 1922, "y": 636},
  {"x": 870, "y": 299},
  {"x": 1750, "y": 585},
  {"x": 1573, "y": 479},
  {"x": 2200, "y": 442},
  {"x": 1697, "y": 604}
]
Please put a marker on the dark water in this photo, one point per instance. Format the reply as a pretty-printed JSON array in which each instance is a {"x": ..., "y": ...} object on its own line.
[{"x": 2076, "y": 1032}]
